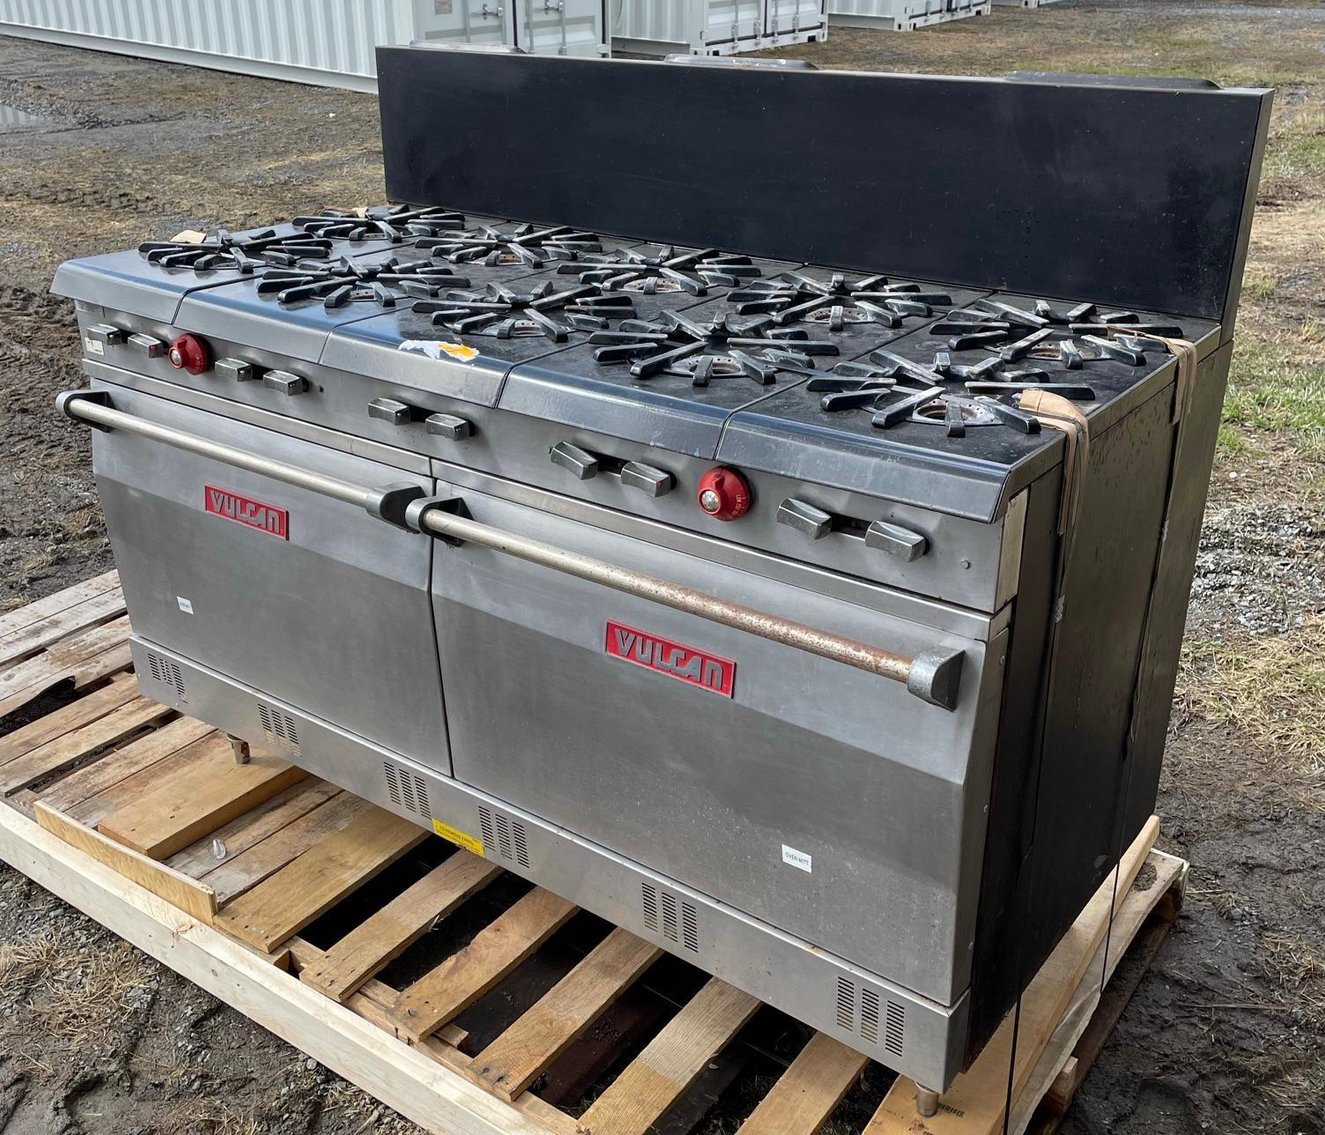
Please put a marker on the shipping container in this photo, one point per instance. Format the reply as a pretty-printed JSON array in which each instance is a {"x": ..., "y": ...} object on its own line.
[
  {"x": 713, "y": 27},
  {"x": 329, "y": 42},
  {"x": 902, "y": 15}
]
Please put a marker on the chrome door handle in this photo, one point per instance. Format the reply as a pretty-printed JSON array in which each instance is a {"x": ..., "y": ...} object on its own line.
[
  {"x": 933, "y": 675},
  {"x": 580, "y": 462}
]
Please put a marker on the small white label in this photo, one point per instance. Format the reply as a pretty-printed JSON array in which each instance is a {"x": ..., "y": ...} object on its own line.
[
  {"x": 184, "y": 604},
  {"x": 94, "y": 346},
  {"x": 797, "y": 859}
]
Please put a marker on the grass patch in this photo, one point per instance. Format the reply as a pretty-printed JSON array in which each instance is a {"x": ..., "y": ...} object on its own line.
[
  {"x": 1296, "y": 146},
  {"x": 1273, "y": 386},
  {"x": 1272, "y": 691},
  {"x": 1230, "y": 443}
]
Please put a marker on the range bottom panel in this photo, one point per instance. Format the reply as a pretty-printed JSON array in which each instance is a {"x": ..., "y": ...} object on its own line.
[{"x": 911, "y": 1034}]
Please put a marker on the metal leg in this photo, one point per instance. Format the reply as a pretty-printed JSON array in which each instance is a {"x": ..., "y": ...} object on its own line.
[
  {"x": 243, "y": 754},
  {"x": 927, "y": 1101}
]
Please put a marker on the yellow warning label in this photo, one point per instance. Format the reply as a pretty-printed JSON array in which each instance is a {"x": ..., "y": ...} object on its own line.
[
  {"x": 459, "y": 838},
  {"x": 458, "y": 350}
]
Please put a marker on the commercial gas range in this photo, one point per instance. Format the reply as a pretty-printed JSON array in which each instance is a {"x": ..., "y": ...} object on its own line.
[{"x": 797, "y": 582}]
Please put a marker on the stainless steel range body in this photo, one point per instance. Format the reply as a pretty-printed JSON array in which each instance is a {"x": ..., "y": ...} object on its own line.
[{"x": 748, "y": 598}]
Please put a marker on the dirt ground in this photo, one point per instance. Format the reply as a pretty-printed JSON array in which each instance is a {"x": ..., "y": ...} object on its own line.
[{"x": 1226, "y": 1033}]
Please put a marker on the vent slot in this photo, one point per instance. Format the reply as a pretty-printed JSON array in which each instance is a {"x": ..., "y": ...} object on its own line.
[
  {"x": 166, "y": 673},
  {"x": 406, "y": 790},
  {"x": 673, "y": 918},
  {"x": 279, "y": 728},
  {"x": 504, "y": 836},
  {"x": 862, "y": 1011},
  {"x": 392, "y": 783}
]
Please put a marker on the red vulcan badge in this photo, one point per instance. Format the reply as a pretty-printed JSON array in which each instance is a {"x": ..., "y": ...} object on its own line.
[
  {"x": 246, "y": 510},
  {"x": 675, "y": 659}
]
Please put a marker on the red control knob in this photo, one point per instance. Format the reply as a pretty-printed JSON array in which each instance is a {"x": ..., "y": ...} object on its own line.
[
  {"x": 724, "y": 494},
  {"x": 189, "y": 353}
]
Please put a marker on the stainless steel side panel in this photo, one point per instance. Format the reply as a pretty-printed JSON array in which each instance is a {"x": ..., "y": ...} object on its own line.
[
  {"x": 914, "y": 1035},
  {"x": 333, "y": 616},
  {"x": 813, "y": 793}
]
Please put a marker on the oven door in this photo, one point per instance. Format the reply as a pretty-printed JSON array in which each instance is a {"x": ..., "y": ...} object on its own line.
[
  {"x": 309, "y": 599},
  {"x": 815, "y": 796}
]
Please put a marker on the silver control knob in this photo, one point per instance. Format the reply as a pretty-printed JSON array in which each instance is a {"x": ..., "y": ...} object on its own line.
[
  {"x": 805, "y": 518},
  {"x": 237, "y": 369},
  {"x": 450, "y": 426},
  {"x": 106, "y": 333},
  {"x": 896, "y": 540},
  {"x": 649, "y": 479},
  {"x": 391, "y": 410},
  {"x": 283, "y": 382},
  {"x": 148, "y": 345},
  {"x": 580, "y": 462}
]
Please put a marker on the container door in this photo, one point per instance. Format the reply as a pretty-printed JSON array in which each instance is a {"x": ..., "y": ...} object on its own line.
[
  {"x": 561, "y": 27},
  {"x": 310, "y": 600},
  {"x": 728, "y": 21},
  {"x": 464, "y": 21},
  {"x": 793, "y": 17},
  {"x": 800, "y": 790}
]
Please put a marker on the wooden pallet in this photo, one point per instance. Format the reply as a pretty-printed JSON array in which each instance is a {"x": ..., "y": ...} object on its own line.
[{"x": 454, "y": 992}]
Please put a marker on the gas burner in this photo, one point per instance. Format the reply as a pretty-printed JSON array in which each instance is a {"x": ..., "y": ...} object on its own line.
[
  {"x": 837, "y": 301},
  {"x": 501, "y": 313},
  {"x": 223, "y": 251},
  {"x": 674, "y": 344},
  {"x": 524, "y": 244},
  {"x": 347, "y": 281},
  {"x": 628, "y": 269},
  {"x": 1013, "y": 333},
  {"x": 381, "y": 222}
]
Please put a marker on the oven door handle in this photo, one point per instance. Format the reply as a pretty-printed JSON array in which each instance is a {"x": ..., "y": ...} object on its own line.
[{"x": 933, "y": 676}]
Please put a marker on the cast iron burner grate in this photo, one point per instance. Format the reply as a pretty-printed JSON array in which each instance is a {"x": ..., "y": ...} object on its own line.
[
  {"x": 838, "y": 301},
  {"x": 674, "y": 345},
  {"x": 502, "y": 313},
  {"x": 381, "y": 222},
  {"x": 384, "y": 283},
  {"x": 630, "y": 270},
  {"x": 524, "y": 244},
  {"x": 222, "y": 251}
]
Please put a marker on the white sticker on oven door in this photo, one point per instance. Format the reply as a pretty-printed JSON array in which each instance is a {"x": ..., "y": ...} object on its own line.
[
  {"x": 94, "y": 347},
  {"x": 798, "y": 859},
  {"x": 184, "y": 604}
]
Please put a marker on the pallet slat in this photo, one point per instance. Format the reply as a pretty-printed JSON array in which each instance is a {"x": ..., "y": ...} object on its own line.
[
  {"x": 656, "y": 1078},
  {"x": 449, "y": 989},
  {"x": 807, "y": 1092},
  {"x": 16, "y": 621},
  {"x": 514, "y": 1060},
  {"x": 96, "y": 608},
  {"x": 212, "y": 791},
  {"x": 284, "y": 903},
  {"x": 384, "y": 936},
  {"x": 120, "y": 689}
]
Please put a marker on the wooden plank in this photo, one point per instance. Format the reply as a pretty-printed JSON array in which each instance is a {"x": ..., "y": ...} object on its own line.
[
  {"x": 78, "y": 743},
  {"x": 419, "y": 1087},
  {"x": 251, "y": 828},
  {"x": 387, "y": 934},
  {"x": 976, "y": 1102},
  {"x": 284, "y": 903},
  {"x": 44, "y": 672},
  {"x": 120, "y": 689},
  {"x": 212, "y": 791},
  {"x": 42, "y": 633},
  {"x": 514, "y": 1060},
  {"x": 807, "y": 1092},
  {"x": 187, "y": 894},
  {"x": 72, "y": 793},
  {"x": 239, "y": 873},
  {"x": 450, "y": 988},
  {"x": 15, "y": 621},
  {"x": 657, "y": 1077}
]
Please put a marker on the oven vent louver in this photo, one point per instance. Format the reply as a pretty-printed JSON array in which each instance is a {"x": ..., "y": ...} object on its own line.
[
  {"x": 673, "y": 918},
  {"x": 407, "y": 790},
  {"x": 279, "y": 728},
  {"x": 507, "y": 837},
  {"x": 858, "y": 1012},
  {"x": 166, "y": 673}
]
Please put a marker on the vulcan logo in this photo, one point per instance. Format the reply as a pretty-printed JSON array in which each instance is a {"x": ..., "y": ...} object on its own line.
[
  {"x": 245, "y": 510},
  {"x": 671, "y": 658}
]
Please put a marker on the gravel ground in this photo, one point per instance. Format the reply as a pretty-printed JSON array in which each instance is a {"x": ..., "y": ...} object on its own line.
[{"x": 1225, "y": 1033}]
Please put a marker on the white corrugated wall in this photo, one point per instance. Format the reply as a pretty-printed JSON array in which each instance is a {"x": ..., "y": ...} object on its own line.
[{"x": 322, "y": 41}]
